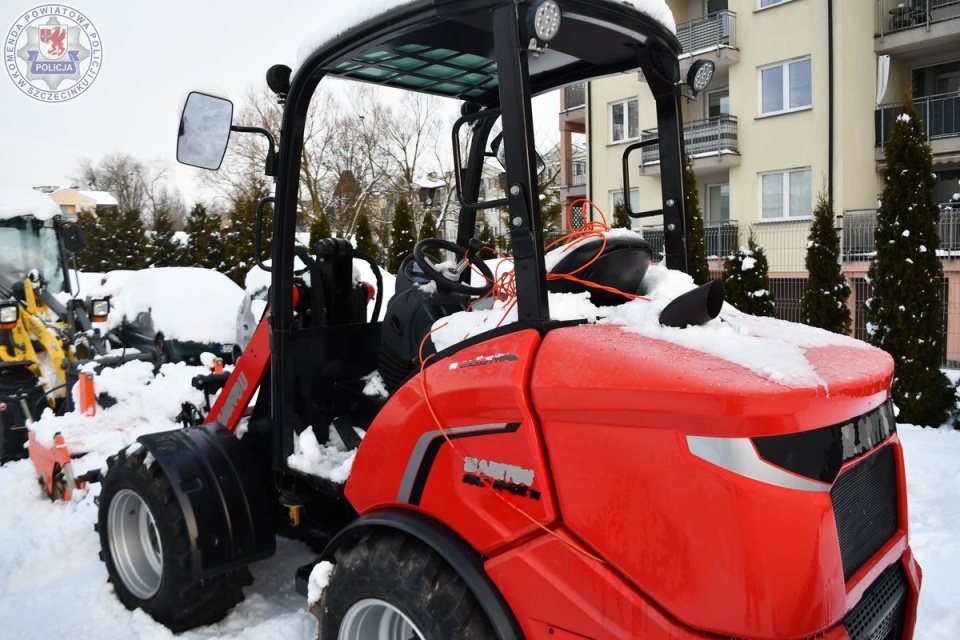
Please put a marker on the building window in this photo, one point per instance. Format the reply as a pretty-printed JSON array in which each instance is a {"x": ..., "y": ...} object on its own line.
[
  {"x": 786, "y": 87},
  {"x": 718, "y": 202},
  {"x": 616, "y": 197},
  {"x": 769, "y": 3},
  {"x": 624, "y": 121},
  {"x": 718, "y": 103},
  {"x": 786, "y": 194}
]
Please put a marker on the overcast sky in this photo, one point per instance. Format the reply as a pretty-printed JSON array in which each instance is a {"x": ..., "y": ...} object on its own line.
[{"x": 152, "y": 53}]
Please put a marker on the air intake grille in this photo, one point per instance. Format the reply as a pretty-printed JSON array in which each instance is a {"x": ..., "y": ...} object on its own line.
[
  {"x": 879, "y": 614},
  {"x": 865, "y": 507}
]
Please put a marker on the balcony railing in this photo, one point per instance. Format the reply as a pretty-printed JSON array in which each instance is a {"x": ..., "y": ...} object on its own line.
[
  {"x": 896, "y": 15},
  {"x": 701, "y": 137},
  {"x": 711, "y": 31},
  {"x": 722, "y": 238},
  {"x": 574, "y": 96},
  {"x": 860, "y": 225},
  {"x": 939, "y": 114},
  {"x": 576, "y": 173}
]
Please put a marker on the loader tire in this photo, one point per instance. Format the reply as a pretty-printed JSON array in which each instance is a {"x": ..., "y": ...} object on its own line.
[
  {"x": 145, "y": 545},
  {"x": 395, "y": 586}
]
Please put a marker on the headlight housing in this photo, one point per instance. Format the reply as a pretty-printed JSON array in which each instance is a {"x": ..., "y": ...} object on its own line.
[
  {"x": 99, "y": 309},
  {"x": 9, "y": 314},
  {"x": 543, "y": 20}
]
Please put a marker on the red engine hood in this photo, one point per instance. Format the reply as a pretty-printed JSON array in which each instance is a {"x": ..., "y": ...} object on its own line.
[{"x": 604, "y": 374}]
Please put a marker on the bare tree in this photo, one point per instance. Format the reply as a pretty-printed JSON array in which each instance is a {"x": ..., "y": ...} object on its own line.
[{"x": 136, "y": 184}]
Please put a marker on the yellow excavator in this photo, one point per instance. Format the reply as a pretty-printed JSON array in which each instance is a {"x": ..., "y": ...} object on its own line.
[{"x": 46, "y": 333}]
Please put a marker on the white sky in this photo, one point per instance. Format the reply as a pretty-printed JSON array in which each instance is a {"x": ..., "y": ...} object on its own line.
[{"x": 152, "y": 53}]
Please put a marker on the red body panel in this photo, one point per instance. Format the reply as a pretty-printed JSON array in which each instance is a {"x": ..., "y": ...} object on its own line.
[
  {"x": 686, "y": 546},
  {"x": 485, "y": 384}
]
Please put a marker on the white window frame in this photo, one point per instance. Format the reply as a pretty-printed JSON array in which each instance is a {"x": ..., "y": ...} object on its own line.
[
  {"x": 616, "y": 195},
  {"x": 785, "y": 205},
  {"x": 714, "y": 216},
  {"x": 770, "y": 4},
  {"x": 785, "y": 65},
  {"x": 626, "y": 120}
]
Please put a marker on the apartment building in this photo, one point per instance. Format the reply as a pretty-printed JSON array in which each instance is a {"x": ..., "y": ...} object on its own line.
[{"x": 803, "y": 99}]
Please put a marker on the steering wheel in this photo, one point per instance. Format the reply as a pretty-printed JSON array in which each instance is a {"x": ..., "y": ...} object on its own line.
[{"x": 448, "y": 277}]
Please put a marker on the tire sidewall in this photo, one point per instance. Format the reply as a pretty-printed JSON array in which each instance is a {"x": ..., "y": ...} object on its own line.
[{"x": 137, "y": 479}]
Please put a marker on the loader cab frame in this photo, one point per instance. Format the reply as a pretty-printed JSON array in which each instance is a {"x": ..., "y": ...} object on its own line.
[{"x": 484, "y": 52}]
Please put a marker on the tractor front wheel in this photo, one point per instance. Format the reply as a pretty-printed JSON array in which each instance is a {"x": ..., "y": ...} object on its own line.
[
  {"x": 146, "y": 549},
  {"x": 390, "y": 586}
]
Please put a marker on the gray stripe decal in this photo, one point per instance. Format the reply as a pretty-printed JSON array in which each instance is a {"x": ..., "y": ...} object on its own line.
[
  {"x": 739, "y": 456},
  {"x": 416, "y": 457}
]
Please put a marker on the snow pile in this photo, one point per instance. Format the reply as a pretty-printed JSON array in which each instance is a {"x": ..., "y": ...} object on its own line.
[
  {"x": 19, "y": 201},
  {"x": 186, "y": 303},
  {"x": 331, "y": 461},
  {"x": 319, "y": 579},
  {"x": 771, "y": 348}
]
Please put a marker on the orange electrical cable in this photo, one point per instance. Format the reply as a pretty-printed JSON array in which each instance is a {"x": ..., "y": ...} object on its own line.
[{"x": 462, "y": 456}]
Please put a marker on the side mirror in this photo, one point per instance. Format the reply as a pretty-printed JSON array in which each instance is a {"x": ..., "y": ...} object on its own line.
[
  {"x": 72, "y": 237},
  {"x": 497, "y": 149},
  {"x": 204, "y": 130}
]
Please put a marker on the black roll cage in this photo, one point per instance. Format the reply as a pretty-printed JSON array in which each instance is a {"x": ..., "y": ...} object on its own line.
[{"x": 594, "y": 53}]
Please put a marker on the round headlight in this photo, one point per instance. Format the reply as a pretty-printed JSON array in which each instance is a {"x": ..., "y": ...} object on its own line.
[
  {"x": 700, "y": 75},
  {"x": 546, "y": 19}
]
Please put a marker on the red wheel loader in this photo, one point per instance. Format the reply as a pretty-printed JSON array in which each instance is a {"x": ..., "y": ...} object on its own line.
[{"x": 544, "y": 478}]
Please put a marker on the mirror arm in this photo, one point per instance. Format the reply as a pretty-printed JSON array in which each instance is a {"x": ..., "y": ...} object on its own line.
[{"x": 270, "y": 166}]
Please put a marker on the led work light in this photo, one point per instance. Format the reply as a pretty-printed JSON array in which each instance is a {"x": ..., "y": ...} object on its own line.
[
  {"x": 99, "y": 309},
  {"x": 9, "y": 312},
  {"x": 700, "y": 75},
  {"x": 543, "y": 19}
]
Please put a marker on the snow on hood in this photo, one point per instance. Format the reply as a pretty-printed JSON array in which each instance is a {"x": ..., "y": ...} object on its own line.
[
  {"x": 186, "y": 303},
  {"x": 20, "y": 201},
  {"x": 773, "y": 349},
  {"x": 346, "y": 15}
]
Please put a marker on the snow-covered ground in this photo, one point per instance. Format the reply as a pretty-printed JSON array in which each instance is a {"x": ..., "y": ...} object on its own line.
[{"x": 52, "y": 583}]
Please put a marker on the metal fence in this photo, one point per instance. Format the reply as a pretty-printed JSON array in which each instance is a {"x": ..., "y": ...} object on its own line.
[
  {"x": 576, "y": 173},
  {"x": 787, "y": 294},
  {"x": 721, "y": 238},
  {"x": 897, "y": 15},
  {"x": 700, "y": 137},
  {"x": 711, "y": 31},
  {"x": 940, "y": 115},
  {"x": 859, "y": 226}
]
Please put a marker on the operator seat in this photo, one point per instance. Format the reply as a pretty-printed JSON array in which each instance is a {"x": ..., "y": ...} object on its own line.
[{"x": 621, "y": 266}]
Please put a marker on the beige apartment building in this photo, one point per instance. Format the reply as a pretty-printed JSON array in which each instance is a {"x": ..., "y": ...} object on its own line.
[{"x": 802, "y": 101}]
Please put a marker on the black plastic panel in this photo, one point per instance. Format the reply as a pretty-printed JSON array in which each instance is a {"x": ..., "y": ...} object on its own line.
[
  {"x": 819, "y": 454},
  {"x": 879, "y": 614},
  {"x": 865, "y": 507}
]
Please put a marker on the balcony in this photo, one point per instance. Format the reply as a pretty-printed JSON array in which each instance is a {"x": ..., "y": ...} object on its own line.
[
  {"x": 574, "y": 96},
  {"x": 860, "y": 225},
  {"x": 572, "y": 102},
  {"x": 909, "y": 26},
  {"x": 713, "y": 32},
  {"x": 940, "y": 116},
  {"x": 722, "y": 238},
  {"x": 713, "y": 140}
]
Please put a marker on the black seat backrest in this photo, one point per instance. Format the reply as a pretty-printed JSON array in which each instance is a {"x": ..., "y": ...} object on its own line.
[{"x": 621, "y": 266}]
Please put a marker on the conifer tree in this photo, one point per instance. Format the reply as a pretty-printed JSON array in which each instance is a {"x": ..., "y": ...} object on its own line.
[
  {"x": 240, "y": 238},
  {"x": 489, "y": 240},
  {"x": 824, "y": 301},
  {"x": 163, "y": 250},
  {"x": 905, "y": 312},
  {"x": 91, "y": 223},
  {"x": 696, "y": 234},
  {"x": 428, "y": 229},
  {"x": 403, "y": 235},
  {"x": 621, "y": 220},
  {"x": 128, "y": 250},
  {"x": 745, "y": 281},
  {"x": 319, "y": 229},
  {"x": 363, "y": 236},
  {"x": 205, "y": 242}
]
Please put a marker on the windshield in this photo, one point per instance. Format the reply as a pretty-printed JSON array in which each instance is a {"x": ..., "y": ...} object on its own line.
[{"x": 27, "y": 243}]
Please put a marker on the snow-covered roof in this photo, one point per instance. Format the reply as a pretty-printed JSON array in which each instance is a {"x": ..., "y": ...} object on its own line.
[
  {"x": 344, "y": 16},
  {"x": 100, "y": 197},
  {"x": 427, "y": 183},
  {"x": 20, "y": 201}
]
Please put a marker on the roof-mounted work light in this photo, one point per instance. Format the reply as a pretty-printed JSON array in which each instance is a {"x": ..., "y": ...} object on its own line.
[
  {"x": 543, "y": 20},
  {"x": 9, "y": 314},
  {"x": 700, "y": 75}
]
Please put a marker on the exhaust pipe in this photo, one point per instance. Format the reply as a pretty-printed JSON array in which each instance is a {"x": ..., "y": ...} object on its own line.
[{"x": 696, "y": 307}]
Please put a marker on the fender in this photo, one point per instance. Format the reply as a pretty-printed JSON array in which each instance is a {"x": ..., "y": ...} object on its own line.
[
  {"x": 220, "y": 491},
  {"x": 465, "y": 561}
]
